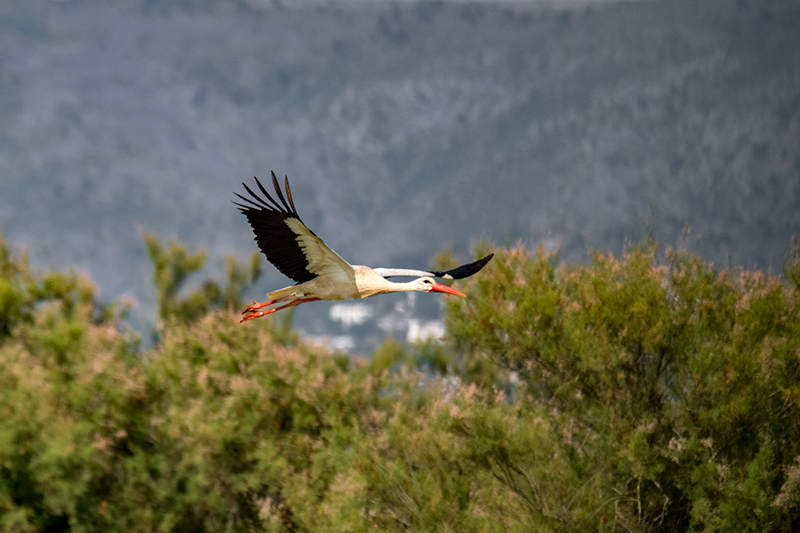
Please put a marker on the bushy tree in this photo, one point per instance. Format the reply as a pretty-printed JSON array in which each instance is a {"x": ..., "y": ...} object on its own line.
[
  {"x": 218, "y": 427},
  {"x": 173, "y": 266},
  {"x": 671, "y": 390}
]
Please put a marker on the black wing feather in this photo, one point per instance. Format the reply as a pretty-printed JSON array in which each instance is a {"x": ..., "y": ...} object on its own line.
[
  {"x": 465, "y": 271},
  {"x": 289, "y": 192},
  {"x": 278, "y": 190},
  {"x": 263, "y": 190},
  {"x": 274, "y": 237}
]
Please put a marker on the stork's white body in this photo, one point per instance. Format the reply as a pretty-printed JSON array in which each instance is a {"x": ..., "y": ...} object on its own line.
[{"x": 360, "y": 282}]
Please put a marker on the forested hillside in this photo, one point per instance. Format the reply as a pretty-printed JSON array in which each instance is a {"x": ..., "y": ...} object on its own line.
[
  {"x": 405, "y": 126},
  {"x": 648, "y": 391}
]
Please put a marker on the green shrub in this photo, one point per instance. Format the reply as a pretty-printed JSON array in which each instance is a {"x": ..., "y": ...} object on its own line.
[{"x": 681, "y": 384}]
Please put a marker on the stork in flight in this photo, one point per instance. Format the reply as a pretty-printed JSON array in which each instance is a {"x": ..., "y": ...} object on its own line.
[{"x": 319, "y": 272}]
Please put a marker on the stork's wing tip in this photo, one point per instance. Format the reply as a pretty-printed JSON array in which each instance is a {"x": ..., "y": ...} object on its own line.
[{"x": 465, "y": 271}]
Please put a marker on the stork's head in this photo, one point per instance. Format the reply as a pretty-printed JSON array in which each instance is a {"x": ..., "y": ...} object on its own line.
[{"x": 427, "y": 284}]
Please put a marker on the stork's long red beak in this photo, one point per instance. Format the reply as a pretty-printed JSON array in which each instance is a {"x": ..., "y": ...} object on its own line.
[{"x": 438, "y": 287}]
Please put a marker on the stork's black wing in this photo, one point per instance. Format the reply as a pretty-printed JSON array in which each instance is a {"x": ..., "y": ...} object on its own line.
[
  {"x": 288, "y": 244},
  {"x": 464, "y": 271}
]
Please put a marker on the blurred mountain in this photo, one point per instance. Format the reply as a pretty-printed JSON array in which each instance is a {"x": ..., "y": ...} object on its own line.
[{"x": 404, "y": 127}]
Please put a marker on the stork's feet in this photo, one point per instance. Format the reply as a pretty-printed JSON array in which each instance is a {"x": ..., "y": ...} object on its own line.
[
  {"x": 256, "y": 306},
  {"x": 252, "y": 311},
  {"x": 256, "y": 314}
]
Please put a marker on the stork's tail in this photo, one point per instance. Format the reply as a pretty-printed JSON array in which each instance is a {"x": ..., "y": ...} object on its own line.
[{"x": 284, "y": 294}]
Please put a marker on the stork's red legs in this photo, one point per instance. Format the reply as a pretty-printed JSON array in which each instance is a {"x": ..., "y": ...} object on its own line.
[{"x": 251, "y": 312}]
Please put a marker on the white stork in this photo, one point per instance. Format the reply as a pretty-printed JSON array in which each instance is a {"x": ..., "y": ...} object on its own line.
[{"x": 319, "y": 272}]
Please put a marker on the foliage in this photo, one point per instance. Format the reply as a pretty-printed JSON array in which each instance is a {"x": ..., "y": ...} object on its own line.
[
  {"x": 218, "y": 427},
  {"x": 641, "y": 393},
  {"x": 172, "y": 268},
  {"x": 673, "y": 389}
]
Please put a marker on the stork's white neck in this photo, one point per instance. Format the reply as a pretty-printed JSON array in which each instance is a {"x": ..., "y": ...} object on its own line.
[{"x": 370, "y": 284}]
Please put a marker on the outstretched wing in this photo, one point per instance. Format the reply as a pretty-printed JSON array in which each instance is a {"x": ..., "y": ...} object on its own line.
[
  {"x": 464, "y": 271},
  {"x": 288, "y": 244}
]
